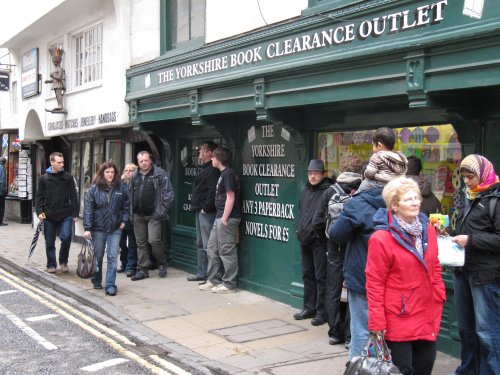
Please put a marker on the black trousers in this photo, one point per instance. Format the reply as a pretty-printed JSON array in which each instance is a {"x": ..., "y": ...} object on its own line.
[
  {"x": 413, "y": 357},
  {"x": 314, "y": 276},
  {"x": 2, "y": 207},
  {"x": 337, "y": 312}
]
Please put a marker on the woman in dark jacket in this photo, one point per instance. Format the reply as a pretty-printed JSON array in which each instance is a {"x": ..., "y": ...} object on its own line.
[
  {"x": 128, "y": 244},
  {"x": 105, "y": 214},
  {"x": 477, "y": 283}
]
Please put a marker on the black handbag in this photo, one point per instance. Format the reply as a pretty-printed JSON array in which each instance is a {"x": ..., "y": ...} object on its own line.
[
  {"x": 87, "y": 262},
  {"x": 374, "y": 359}
]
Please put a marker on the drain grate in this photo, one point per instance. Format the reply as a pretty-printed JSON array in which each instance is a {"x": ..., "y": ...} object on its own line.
[{"x": 256, "y": 330}]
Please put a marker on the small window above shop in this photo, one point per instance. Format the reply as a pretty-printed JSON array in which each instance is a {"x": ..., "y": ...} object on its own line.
[
  {"x": 319, "y": 6},
  {"x": 182, "y": 24}
]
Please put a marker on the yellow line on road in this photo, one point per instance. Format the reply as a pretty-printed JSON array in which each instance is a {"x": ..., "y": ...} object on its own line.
[{"x": 30, "y": 290}]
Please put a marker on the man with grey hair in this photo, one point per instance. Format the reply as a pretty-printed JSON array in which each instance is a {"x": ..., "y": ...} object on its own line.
[
  {"x": 152, "y": 197},
  {"x": 3, "y": 189}
]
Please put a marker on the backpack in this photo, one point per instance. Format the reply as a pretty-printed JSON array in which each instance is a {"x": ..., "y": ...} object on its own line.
[{"x": 335, "y": 206}]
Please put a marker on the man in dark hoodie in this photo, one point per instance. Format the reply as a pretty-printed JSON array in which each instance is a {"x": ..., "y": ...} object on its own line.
[
  {"x": 354, "y": 227},
  {"x": 430, "y": 204},
  {"x": 57, "y": 205},
  {"x": 313, "y": 245},
  {"x": 203, "y": 204}
]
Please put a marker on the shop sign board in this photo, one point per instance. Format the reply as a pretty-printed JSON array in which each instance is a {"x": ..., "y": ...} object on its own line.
[
  {"x": 29, "y": 73},
  {"x": 332, "y": 41},
  {"x": 272, "y": 172},
  {"x": 57, "y": 123}
]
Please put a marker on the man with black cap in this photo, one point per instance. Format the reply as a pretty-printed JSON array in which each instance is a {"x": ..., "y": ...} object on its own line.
[{"x": 313, "y": 245}]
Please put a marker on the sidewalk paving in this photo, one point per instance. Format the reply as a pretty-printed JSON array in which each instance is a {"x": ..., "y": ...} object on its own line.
[{"x": 238, "y": 333}]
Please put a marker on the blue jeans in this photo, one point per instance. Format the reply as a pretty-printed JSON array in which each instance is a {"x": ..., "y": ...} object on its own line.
[
  {"x": 478, "y": 316},
  {"x": 65, "y": 229},
  {"x": 223, "y": 254},
  {"x": 110, "y": 242},
  {"x": 358, "y": 307},
  {"x": 204, "y": 224},
  {"x": 128, "y": 246}
]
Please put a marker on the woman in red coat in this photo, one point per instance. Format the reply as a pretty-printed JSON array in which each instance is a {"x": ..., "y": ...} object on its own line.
[{"x": 403, "y": 279}]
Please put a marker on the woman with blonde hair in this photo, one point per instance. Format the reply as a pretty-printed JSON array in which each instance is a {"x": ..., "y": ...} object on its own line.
[
  {"x": 128, "y": 245},
  {"x": 404, "y": 286}
]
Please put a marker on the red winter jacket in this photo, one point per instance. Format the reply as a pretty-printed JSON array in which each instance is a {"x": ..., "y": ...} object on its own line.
[{"x": 405, "y": 292}]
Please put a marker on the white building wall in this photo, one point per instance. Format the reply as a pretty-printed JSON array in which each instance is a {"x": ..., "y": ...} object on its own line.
[
  {"x": 103, "y": 97},
  {"x": 224, "y": 19}
]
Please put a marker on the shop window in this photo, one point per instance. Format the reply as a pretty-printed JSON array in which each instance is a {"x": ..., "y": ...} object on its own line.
[
  {"x": 114, "y": 153},
  {"x": 76, "y": 166},
  {"x": 86, "y": 172},
  {"x": 188, "y": 170},
  {"x": 437, "y": 147},
  {"x": 183, "y": 21},
  {"x": 98, "y": 155},
  {"x": 87, "y": 54}
]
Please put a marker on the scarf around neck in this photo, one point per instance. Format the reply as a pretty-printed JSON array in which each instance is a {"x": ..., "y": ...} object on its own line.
[
  {"x": 483, "y": 169},
  {"x": 414, "y": 230}
]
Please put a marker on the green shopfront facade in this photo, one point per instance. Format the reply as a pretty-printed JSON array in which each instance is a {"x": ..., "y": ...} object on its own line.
[{"x": 316, "y": 87}]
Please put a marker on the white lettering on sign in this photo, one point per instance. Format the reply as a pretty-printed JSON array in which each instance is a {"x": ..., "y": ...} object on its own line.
[
  {"x": 268, "y": 151},
  {"x": 406, "y": 20},
  {"x": 269, "y": 170},
  {"x": 267, "y": 231}
]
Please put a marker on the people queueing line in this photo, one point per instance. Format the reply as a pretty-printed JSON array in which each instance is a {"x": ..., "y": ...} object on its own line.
[
  {"x": 106, "y": 211},
  {"x": 203, "y": 206},
  {"x": 313, "y": 244},
  {"x": 477, "y": 283},
  {"x": 221, "y": 248},
  {"x": 354, "y": 227},
  {"x": 370, "y": 261},
  {"x": 128, "y": 244},
  {"x": 404, "y": 286},
  {"x": 57, "y": 206},
  {"x": 152, "y": 197}
]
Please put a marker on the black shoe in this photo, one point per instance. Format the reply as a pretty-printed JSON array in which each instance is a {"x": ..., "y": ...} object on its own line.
[
  {"x": 2, "y": 224},
  {"x": 139, "y": 275},
  {"x": 195, "y": 278},
  {"x": 111, "y": 291},
  {"x": 347, "y": 344},
  {"x": 97, "y": 286},
  {"x": 335, "y": 340},
  {"x": 162, "y": 271},
  {"x": 318, "y": 320},
  {"x": 304, "y": 314},
  {"x": 130, "y": 273},
  {"x": 121, "y": 269}
]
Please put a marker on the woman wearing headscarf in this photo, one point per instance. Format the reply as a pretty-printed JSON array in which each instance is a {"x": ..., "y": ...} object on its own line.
[
  {"x": 404, "y": 286},
  {"x": 477, "y": 283}
]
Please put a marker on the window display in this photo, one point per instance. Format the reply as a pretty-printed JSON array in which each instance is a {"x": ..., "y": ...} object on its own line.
[{"x": 437, "y": 146}]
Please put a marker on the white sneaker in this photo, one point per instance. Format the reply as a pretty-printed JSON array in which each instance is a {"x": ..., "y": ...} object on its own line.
[
  {"x": 207, "y": 286},
  {"x": 221, "y": 289},
  {"x": 64, "y": 268}
]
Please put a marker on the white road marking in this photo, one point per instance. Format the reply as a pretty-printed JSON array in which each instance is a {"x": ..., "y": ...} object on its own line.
[
  {"x": 27, "y": 330},
  {"x": 105, "y": 364},
  {"x": 8, "y": 292},
  {"x": 41, "y": 317},
  {"x": 168, "y": 365},
  {"x": 44, "y": 298}
]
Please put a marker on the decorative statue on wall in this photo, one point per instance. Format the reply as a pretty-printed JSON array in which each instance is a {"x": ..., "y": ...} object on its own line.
[{"x": 57, "y": 77}]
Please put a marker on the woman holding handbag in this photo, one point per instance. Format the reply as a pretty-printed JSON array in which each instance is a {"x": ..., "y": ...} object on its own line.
[
  {"x": 105, "y": 213},
  {"x": 404, "y": 286}
]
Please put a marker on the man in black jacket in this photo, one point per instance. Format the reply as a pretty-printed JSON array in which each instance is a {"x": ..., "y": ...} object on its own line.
[
  {"x": 203, "y": 204},
  {"x": 152, "y": 197},
  {"x": 313, "y": 245},
  {"x": 57, "y": 205}
]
